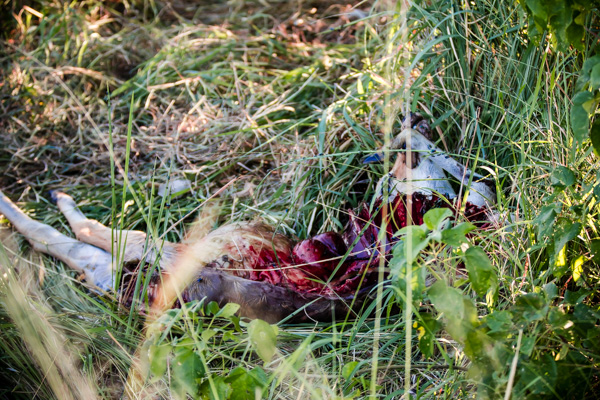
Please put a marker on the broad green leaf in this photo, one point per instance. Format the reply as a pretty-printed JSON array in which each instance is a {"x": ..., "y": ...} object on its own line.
[
  {"x": 427, "y": 326},
  {"x": 228, "y": 311},
  {"x": 186, "y": 369},
  {"x": 586, "y": 72},
  {"x": 480, "y": 349},
  {"x": 414, "y": 239},
  {"x": 348, "y": 369},
  {"x": 530, "y": 307},
  {"x": 561, "y": 18},
  {"x": 575, "y": 34},
  {"x": 456, "y": 236},
  {"x": 539, "y": 376},
  {"x": 580, "y": 116},
  {"x": 595, "y": 77},
  {"x": 212, "y": 308},
  {"x": 595, "y": 135},
  {"x": 499, "y": 322},
  {"x": 564, "y": 233},
  {"x": 217, "y": 389},
  {"x": 595, "y": 249},
  {"x": 537, "y": 9},
  {"x": 435, "y": 218},
  {"x": 558, "y": 319},
  {"x": 585, "y": 319},
  {"x": 207, "y": 334},
  {"x": 399, "y": 275},
  {"x": 577, "y": 267},
  {"x": 527, "y": 345},
  {"x": 246, "y": 384},
  {"x": 562, "y": 177},
  {"x": 545, "y": 220},
  {"x": 426, "y": 345},
  {"x": 157, "y": 357},
  {"x": 263, "y": 338},
  {"x": 551, "y": 290},
  {"x": 460, "y": 312},
  {"x": 575, "y": 297},
  {"x": 413, "y": 230},
  {"x": 447, "y": 300},
  {"x": 481, "y": 272}
]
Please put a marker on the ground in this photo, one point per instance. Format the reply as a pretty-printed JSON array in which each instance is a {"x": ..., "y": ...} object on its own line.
[{"x": 278, "y": 103}]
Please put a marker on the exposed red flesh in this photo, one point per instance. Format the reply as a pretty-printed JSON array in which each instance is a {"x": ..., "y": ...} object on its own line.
[{"x": 336, "y": 265}]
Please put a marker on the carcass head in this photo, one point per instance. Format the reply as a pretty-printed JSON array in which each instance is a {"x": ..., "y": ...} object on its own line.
[{"x": 421, "y": 167}]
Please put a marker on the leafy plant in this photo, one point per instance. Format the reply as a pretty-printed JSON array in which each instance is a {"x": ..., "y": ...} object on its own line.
[
  {"x": 180, "y": 344},
  {"x": 566, "y": 21},
  {"x": 496, "y": 338}
]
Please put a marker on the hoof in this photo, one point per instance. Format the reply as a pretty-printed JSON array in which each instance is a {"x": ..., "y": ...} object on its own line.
[{"x": 54, "y": 195}]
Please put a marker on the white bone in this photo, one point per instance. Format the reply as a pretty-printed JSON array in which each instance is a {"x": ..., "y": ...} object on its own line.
[{"x": 428, "y": 176}]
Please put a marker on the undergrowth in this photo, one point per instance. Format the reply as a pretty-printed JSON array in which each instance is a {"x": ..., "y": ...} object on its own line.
[{"x": 278, "y": 103}]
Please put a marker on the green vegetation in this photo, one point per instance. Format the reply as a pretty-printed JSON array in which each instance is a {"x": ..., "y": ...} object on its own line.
[{"x": 281, "y": 100}]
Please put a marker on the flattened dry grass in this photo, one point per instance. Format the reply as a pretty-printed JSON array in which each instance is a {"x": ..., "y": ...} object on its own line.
[{"x": 282, "y": 99}]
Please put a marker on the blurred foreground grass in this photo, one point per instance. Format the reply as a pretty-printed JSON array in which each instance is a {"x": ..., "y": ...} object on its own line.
[{"x": 285, "y": 99}]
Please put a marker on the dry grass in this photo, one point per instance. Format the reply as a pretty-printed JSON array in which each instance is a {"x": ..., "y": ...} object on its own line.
[{"x": 277, "y": 102}]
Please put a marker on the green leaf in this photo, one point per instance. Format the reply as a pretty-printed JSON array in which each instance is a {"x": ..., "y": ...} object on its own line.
[
  {"x": 348, "y": 369},
  {"x": 595, "y": 249},
  {"x": 460, "y": 312},
  {"x": 399, "y": 275},
  {"x": 539, "y": 377},
  {"x": 212, "y": 308},
  {"x": 414, "y": 239},
  {"x": 595, "y": 77},
  {"x": 545, "y": 220},
  {"x": 186, "y": 369},
  {"x": 537, "y": 9},
  {"x": 574, "y": 298},
  {"x": 558, "y": 319},
  {"x": 405, "y": 252},
  {"x": 595, "y": 135},
  {"x": 583, "y": 82},
  {"x": 551, "y": 290},
  {"x": 565, "y": 231},
  {"x": 228, "y": 311},
  {"x": 580, "y": 116},
  {"x": 575, "y": 34},
  {"x": 218, "y": 389},
  {"x": 207, "y": 334},
  {"x": 530, "y": 307},
  {"x": 447, "y": 300},
  {"x": 481, "y": 272},
  {"x": 456, "y": 236},
  {"x": 436, "y": 217},
  {"x": 157, "y": 357},
  {"x": 527, "y": 345},
  {"x": 247, "y": 384},
  {"x": 427, "y": 326},
  {"x": 562, "y": 177},
  {"x": 499, "y": 322},
  {"x": 263, "y": 338}
]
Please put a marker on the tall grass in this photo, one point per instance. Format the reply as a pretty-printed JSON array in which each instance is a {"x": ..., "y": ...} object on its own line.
[{"x": 285, "y": 100}]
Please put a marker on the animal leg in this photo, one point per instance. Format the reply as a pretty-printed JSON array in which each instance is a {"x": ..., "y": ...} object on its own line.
[
  {"x": 95, "y": 263},
  {"x": 132, "y": 246}
]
